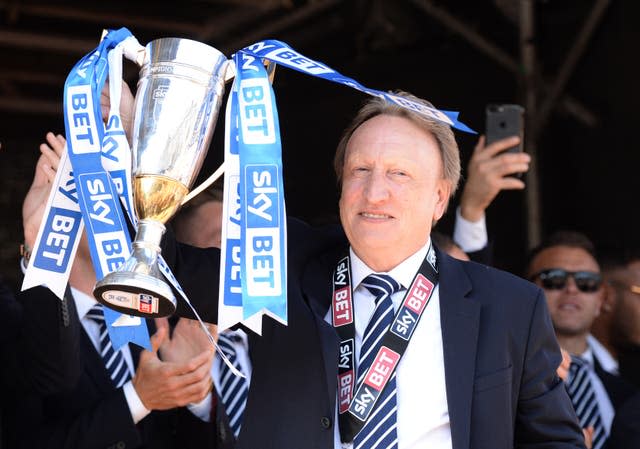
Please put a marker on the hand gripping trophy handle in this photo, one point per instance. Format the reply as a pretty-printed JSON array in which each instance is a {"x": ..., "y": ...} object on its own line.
[{"x": 177, "y": 103}]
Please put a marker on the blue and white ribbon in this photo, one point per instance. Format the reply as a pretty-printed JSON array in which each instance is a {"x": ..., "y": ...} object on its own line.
[
  {"x": 107, "y": 232},
  {"x": 281, "y": 53},
  {"x": 253, "y": 260},
  {"x": 254, "y": 249},
  {"x": 58, "y": 236},
  {"x": 253, "y": 267}
]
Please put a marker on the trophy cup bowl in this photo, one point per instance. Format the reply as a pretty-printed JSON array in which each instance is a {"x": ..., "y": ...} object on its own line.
[{"x": 176, "y": 106}]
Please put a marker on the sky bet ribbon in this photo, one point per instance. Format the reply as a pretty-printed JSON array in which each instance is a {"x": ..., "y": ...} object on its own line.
[
  {"x": 58, "y": 236},
  {"x": 254, "y": 226},
  {"x": 254, "y": 223},
  {"x": 109, "y": 240},
  {"x": 281, "y": 53}
]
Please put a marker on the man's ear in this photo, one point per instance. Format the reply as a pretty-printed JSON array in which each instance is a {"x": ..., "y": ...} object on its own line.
[
  {"x": 443, "y": 194},
  {"x": 609, "y": 297}
]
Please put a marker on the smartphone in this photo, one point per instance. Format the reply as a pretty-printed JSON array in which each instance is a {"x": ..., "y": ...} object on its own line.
[{"x": 505, "y": 120}]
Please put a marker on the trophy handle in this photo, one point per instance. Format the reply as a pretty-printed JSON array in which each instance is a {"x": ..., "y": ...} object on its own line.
[
  {"x": 230, "y": 72},
  {"x": 205, "y": 184}
]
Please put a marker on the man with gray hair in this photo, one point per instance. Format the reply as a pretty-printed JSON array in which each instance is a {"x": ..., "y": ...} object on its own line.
[{"x": 392, "y": 343}]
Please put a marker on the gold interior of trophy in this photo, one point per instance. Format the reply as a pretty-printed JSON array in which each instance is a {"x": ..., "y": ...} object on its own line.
[{"x": 157, "y": 197}]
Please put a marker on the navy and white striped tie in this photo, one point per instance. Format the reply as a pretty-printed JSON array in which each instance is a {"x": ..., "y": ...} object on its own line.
[
  {"x": 379, "y": 432},
  {"x": 233, "y": 389},
  {"x": 114, "y": 361},
  {"x": 584, "y": 400}
]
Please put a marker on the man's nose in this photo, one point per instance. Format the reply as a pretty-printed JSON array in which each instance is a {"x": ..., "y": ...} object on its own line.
[
  {"x": 376, "y": 188},
  {"x": 571, "y": 286}
]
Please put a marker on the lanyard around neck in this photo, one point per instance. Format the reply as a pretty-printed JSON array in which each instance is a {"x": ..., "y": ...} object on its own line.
[{"x": 356, "y": 402}]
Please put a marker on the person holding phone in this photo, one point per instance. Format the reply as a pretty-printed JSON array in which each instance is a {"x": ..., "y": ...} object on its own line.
[{"x": 490, "y": 171}]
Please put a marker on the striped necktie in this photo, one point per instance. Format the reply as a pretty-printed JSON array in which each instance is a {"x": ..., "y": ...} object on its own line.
[
  {"x": 114, "y": 361},
  {"x": 233, "y": 389},
  {"x": 584, "y": 400},
  {"x": 379, "y": 431}
]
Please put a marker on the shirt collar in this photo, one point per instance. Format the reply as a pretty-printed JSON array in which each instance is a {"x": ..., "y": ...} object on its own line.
[
  {"x": 403, "y": 273},
  {"x": 603, "y": 356},
  {"x": 587, "y": 356},
  {"x": 84, "y": 302}
]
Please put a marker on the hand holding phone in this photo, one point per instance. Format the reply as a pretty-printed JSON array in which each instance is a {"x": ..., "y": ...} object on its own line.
[{"x": 496, "y": 163}]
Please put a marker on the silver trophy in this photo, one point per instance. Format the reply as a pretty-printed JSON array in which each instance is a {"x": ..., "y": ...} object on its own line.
[{"x": 179, "y": 95}]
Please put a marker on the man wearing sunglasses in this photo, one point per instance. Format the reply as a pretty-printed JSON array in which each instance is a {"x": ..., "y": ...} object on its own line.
[{"x": 565, "y": 266}]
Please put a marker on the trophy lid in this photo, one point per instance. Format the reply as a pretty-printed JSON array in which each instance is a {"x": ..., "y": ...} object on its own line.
[{"x": 164, "y": 54}]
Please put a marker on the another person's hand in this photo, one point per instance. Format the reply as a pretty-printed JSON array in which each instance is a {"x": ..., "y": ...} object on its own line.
[
  {"x": 188, "y": 340},
  {"x": 162, "y": 385},
  {"x": 588, "y": 437},
  {"x": 563, "y": 369},
  {"x": 127, "y": 105},
  {"x": 488, "y": 173},
  {"x": 35, "y": 201}
]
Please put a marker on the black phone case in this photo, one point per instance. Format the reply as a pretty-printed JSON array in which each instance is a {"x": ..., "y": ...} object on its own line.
[{"x": 505, "y": 120}]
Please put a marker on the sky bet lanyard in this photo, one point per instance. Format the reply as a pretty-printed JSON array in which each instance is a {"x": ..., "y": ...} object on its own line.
[{"x": 355, "y": 408}]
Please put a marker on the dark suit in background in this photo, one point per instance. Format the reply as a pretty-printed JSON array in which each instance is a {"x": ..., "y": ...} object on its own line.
[
  {"x": 625, "y": 430},
  {"x": 77, "y": 405},
  {"x": 618, "y": 389},
  {"x": 10, "y": 319}
]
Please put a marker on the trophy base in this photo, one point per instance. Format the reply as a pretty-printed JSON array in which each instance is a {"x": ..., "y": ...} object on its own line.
[{"x": 136, "y": 294}]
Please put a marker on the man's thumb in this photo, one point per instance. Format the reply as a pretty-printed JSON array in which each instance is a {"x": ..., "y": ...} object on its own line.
[{"x": 158, "y": 338}]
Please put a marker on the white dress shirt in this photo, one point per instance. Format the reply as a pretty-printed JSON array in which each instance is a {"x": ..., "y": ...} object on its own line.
[
  {"x": 470, "y": 235},
  {"x": 423, "y": 413},
  {"x": 604, "y": 357}
]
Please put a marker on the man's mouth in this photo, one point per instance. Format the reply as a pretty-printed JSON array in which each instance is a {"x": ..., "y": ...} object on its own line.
[{"x": 375, "y": 216}]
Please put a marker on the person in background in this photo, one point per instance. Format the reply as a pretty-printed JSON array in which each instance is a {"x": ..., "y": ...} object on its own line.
[
  {"x": 199, "y": 224},
  {"x": 616, "y": 332},
  {"x": 490, "y": 170},
  {"x": 488, "y": 173},
  {"x": 565, "y": 266},
  {"x": 95, "y": 395}
]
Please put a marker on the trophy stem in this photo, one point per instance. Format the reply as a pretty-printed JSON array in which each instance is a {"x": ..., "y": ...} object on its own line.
[{"x": 137, "y": 287}]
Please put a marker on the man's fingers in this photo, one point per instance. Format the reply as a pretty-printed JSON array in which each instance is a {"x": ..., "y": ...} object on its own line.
[
  {"x": 480, "y": 145},
  {"x": 507, "y": 164},
  {"x": 500, "y": 145},
  {"x": 60, "y": 143},
  {"x": 163, "y": 323},
  {"x": 196, "y": 369},
  {"x": 52, "y": 159},
  {"x": 196, "y": 392},
  {"x": 158, "y": 338},
  {"x": 511, "y": 183}
]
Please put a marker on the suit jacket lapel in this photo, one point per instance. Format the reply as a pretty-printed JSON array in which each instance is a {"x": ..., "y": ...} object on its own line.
[
  {"x": 460, "y": 321},
  {"x": 317, "y": 290}
]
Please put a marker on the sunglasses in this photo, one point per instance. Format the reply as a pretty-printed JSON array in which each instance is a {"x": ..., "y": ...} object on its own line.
[{"x": 556, "y": 279}]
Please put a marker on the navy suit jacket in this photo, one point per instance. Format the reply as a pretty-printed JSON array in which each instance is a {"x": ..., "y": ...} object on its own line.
[
  {"x": 70, "y": 400},
  {"x": 500, "y": 354}
]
